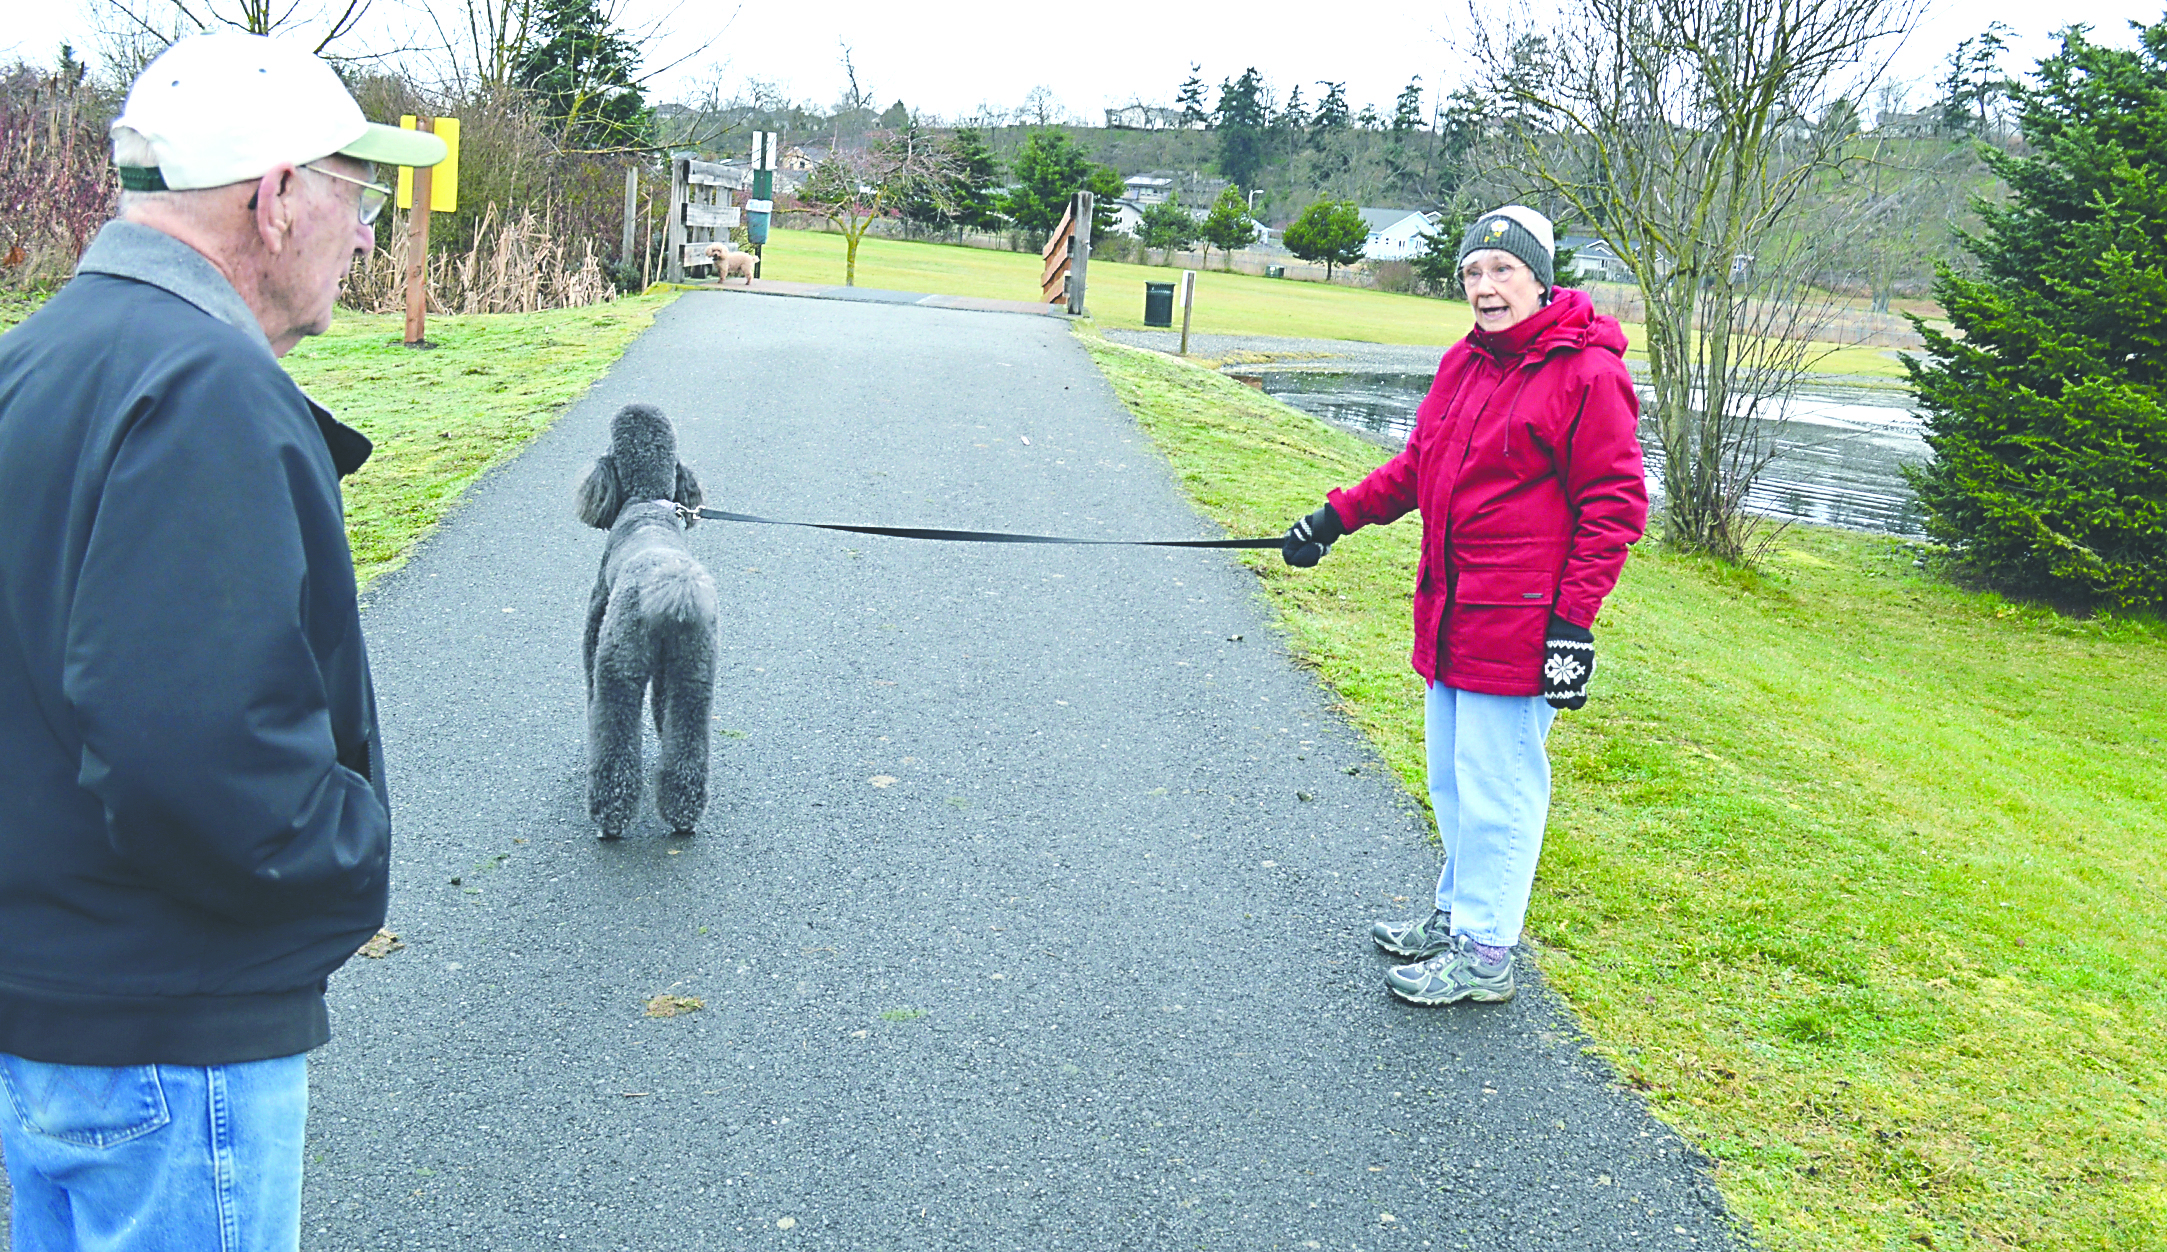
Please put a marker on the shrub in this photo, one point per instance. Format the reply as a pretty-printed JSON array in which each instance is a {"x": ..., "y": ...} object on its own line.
[{"x": 56, "y": 181}]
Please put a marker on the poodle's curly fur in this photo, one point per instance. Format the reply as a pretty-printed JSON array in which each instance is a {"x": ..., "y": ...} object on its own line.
[{"x": 650, "y": 624}]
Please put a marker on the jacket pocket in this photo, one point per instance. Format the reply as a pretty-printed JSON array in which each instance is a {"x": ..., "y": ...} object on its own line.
[
  {"x": 1517, "y": 587},
  {"x": 91, "y": 1106}
]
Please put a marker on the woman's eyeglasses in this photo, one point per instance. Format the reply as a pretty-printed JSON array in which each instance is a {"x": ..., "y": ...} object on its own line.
[{"x": 1500, "y": 274}]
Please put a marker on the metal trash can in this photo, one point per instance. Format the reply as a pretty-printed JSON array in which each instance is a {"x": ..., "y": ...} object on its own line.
[
  {"x": 1158, "y": 304},
  {"x": 1275, "y": 271}
]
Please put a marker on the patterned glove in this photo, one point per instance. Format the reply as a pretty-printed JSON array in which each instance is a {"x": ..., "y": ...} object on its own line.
[
  {"x": 1568, "y": 660},
  {"x": 1309, "y": 539}
]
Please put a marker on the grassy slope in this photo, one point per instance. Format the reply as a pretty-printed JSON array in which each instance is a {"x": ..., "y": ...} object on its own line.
[
  {"x": 1855, "y": 873},
  {"x": 439, "y": 418},
  {"x": 1226, "y": 304}
]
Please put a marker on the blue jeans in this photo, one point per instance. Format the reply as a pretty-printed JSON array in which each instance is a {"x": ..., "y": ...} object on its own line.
[
  {"x": 155, "y": 1158},
  {"x": 1490, "y": 788}
]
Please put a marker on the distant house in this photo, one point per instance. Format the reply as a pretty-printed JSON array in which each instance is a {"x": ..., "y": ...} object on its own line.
[
  {"x": 1594, "y": 260},
  {"x": 1395, "y": 234},
  {"x": 1144, "y": 117},
  {"x": 1924, "y": 125},
  {"x": 1148, "y": 188}
]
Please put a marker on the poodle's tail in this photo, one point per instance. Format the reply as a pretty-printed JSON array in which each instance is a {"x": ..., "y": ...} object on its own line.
[{"x": 676, "y": 592}]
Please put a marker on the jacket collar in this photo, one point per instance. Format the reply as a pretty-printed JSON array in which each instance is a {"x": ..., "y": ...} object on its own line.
[
  {"x": 1568, "y": 321},
  {"x": 132, "y": 250}
]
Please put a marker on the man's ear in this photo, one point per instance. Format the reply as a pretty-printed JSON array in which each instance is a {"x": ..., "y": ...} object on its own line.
[
  {"x": 598, "y": 497},
  {"x": 274, "y": 206},
  {"x": 688, "y": 488}
]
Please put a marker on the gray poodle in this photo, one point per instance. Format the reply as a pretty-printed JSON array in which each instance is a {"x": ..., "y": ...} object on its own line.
[{"x": 651, "y": 623}]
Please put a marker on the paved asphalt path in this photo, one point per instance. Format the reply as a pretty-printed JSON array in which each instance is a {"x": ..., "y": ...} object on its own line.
[{"x": 1090, "y": 972}]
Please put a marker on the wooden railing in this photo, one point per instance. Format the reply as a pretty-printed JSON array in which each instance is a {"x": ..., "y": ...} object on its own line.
[
  {"x": 700, "y": 213},
  {"x": 1067, "y": 256}
]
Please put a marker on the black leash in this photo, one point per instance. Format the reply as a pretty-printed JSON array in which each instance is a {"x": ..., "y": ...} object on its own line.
[{"x": 982, "y": 536}]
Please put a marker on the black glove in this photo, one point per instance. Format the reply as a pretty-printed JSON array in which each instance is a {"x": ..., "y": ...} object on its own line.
[
  {"x": 1309, "y": 539},
  {"x": 1568, "y": 660}
]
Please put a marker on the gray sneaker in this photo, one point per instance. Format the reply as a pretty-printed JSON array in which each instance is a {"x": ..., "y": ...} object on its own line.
[
  {"x": 1452, "y": 975},
  {"x": 1415, "y": 940}
]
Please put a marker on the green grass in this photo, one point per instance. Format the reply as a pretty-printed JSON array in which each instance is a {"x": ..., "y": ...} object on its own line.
[
  {"x": 1226, "y": 304},
  {"x": 1856, "y": 874},
  {"x": 439, "y": 418}
]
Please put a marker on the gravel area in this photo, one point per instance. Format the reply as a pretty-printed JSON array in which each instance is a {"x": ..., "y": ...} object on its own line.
[{"x": 1341, "y": 355}]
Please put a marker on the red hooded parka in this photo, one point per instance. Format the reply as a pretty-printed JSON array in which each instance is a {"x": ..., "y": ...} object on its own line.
[{"x": 1525, "y": 463}]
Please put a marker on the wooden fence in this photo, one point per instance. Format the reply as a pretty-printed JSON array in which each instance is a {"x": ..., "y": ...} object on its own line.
[
  {"x": 700, "y": 213},
  {"x": 1067, "y": 256}
]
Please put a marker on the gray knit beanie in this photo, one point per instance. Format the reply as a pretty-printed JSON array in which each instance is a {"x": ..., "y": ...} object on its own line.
[{"x": 1516, "y": 229}]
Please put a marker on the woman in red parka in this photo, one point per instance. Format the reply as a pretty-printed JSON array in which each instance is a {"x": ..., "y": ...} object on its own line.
[{"x": 1525, "y": 465}]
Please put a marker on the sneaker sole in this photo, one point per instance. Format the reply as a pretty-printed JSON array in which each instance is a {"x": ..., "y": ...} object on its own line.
[{"x": 1476, "y": 994}]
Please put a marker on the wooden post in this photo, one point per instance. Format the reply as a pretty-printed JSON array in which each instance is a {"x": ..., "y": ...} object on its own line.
[
  {"x": 1188, "y": 301},
  {"x": 1080, "y": 252},
  {"x": 675, "y": 267},
  {"x": 632, "y": 199},
  {"x": 417, "y": 253}
]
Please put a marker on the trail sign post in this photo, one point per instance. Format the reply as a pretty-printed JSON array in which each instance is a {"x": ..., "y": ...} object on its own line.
[
  {"x": 1188, "y": 301},
  {"x": 760, "y": 206},
  {"x": 422, "y": 191}
]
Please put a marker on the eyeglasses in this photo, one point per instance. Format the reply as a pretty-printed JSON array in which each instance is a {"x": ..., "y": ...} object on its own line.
[
  {"x": 373, "y": 195},
  {"x": 1500, "y": 274}
]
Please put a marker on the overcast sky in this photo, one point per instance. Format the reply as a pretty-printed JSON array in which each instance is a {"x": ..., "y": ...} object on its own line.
[{"x": 950, "y": 59}]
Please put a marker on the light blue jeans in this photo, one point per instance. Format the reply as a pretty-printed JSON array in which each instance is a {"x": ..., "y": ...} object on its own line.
[
  {"x": 155, "y": 1158},
  {"x": 1490, "y": 788}
]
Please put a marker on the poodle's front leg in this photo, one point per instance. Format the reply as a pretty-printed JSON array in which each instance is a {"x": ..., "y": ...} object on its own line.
[{"x": 619, "y": 682}]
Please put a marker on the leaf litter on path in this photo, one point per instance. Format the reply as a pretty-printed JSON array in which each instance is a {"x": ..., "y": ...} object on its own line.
[
  {"x": 671, "y": 1006},
  {"x": 383, "y": 944}
]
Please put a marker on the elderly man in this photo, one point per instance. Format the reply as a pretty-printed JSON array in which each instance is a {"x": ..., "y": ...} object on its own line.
[{"x": 196, "y": 830}]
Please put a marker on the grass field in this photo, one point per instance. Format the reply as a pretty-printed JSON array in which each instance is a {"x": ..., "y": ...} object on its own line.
[
  {"x": 1226, "y": 304},
  {"x": 1856, "y": 874},
  {"x": 441, "y": 417}
]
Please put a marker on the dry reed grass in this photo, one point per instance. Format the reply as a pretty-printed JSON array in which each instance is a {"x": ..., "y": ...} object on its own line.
[{"x": 512, "y": 266}]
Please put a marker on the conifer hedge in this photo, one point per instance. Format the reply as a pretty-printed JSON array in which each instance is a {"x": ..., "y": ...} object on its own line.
[{"x": 2047, "y": 410}]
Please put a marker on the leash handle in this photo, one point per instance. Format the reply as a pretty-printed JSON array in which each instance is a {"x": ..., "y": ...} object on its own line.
[{"x": 979, "y": 536}]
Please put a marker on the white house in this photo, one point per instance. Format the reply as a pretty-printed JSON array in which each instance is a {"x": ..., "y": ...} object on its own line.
[
  {"x": 1395, "y": 234},
  {"x": 1594, "y": 259},
  {"x": 1148, "y": 188}
]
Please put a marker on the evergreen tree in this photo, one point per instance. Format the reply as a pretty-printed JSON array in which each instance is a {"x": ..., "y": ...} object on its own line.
[
  {"x": 896, "y": 118},
  {"x": 1106, "y": 188},
  {"x": 1974, "y": 82},
  {"x": 1331, "y": 231},
  {"x": 582, "y": 70},
  {"x": 1228, "y": 226},
  {"x": 1331, "y": 111},
  {"x": 2047, "y": 407},
  {"x": 1167, "y": 225},
  {"x": 1190, "y": 100},
  {"x": 1048, "y": 169},
  {"x": 1243, "y": 120},
  {"x": 978, "y": 172}
]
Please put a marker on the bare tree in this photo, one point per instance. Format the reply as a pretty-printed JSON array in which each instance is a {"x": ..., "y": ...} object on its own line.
[
  {"x": 1681, "y": 128},
  {"x": 854, "y": 189}
]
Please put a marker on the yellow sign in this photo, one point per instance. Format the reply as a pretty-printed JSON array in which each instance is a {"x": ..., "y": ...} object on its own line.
[{"x": 444, "y": 179}]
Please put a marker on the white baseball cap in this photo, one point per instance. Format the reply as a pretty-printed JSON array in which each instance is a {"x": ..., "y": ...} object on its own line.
[{"x": 225, "y": 108}]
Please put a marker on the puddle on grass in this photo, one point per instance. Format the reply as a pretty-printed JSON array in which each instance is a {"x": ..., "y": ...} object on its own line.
[{"x": 1837, "y": 451}]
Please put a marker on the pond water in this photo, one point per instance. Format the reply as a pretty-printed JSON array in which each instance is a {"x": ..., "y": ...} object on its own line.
[{"x": 1837, "y": 448}]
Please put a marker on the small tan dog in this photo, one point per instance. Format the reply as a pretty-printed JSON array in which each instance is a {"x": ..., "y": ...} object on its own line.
[{"x": 728, "y": 262}]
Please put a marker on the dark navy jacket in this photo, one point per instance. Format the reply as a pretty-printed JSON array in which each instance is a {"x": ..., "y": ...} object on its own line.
[{"x": 194, "y": 830}]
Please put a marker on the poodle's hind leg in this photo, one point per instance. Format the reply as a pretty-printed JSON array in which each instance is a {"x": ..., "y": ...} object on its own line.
[
  {"x": 683, "y": 701},
  {"x": 623, "y": 656}
]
